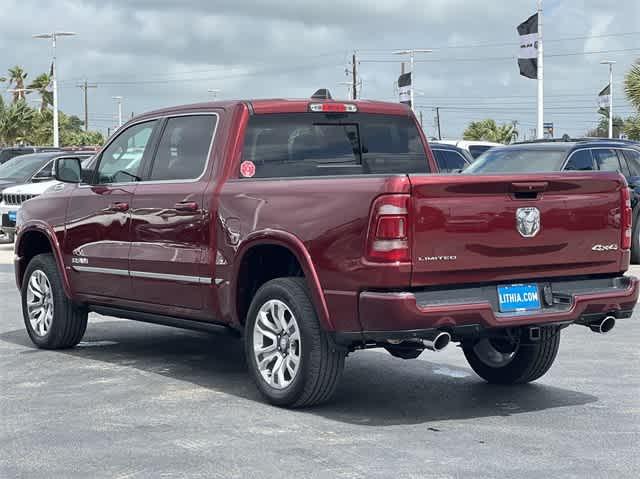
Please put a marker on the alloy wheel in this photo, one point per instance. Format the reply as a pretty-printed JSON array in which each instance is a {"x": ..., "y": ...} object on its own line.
[
  {"x": 40, "y": 303},
  {"x": 276, "y": 344}
]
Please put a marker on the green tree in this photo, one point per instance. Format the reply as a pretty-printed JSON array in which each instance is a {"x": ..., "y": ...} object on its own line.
[
  {"x": 17, "y": 77},
  {"x": 632, "y": 128},
  {"x": 16, "y": 122},
  {"x": 602, "y": 130},
  {"x": 489, "y": 130},
  {"x": 41, "y": 84},
  {"x": 632, "y": 85}
]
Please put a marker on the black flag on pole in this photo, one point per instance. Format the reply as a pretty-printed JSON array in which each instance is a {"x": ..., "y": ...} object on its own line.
[
  {"x": 604, "y": 97},
  {"x": 528, "y": 55},
  {"x": 404, "y": 88}
]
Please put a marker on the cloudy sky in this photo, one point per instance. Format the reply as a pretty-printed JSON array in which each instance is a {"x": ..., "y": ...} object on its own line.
[{"x": 157, "y": 53}]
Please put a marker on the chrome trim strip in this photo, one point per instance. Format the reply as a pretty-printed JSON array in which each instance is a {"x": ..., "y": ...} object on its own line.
[
  {"x": 162, "y": 276},
  {"x": 91, "y": 269},
  {"x": 144, "y": 274}
]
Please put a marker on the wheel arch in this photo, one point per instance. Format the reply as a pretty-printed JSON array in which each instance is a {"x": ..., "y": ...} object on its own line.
[
  {"x": 34, "y": 239},
  {"x": 295, "y": 247}
]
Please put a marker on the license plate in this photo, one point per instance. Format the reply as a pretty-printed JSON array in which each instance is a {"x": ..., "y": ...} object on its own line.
[
  {"x": 518, "y": 297},
  {"x": 12, "y": 215}
]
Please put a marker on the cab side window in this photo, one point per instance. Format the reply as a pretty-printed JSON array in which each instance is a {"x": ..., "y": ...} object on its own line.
[
  {"x": 580, "y": 160},
  {"x": 121, "y": 161},
  {"x": 184, "y": 148},
  {"x": 606, "y": 159},
  {"x": 45, "y": 173}
]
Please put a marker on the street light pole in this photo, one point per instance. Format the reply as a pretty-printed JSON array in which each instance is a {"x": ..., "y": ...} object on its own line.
[
  {"x": 411, "y": 54},
  {"x": 119, "y": 100},
  {"x": 53, "y": 36},
  {"x": 610, "y": 63}
]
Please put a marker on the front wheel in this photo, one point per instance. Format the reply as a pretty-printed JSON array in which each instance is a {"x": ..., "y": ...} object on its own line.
[
  {"x": 516, "y": 361},
  {"x": 51, "y": 319},
  {"x": 291, "y": 359}
]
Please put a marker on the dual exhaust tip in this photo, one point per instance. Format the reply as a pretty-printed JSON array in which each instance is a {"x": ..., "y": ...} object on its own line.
[
  {"x": 603, "y": 326},
  {"x": 437, "y": 342}
]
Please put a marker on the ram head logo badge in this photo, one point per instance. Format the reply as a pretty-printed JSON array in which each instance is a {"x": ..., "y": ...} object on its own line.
[{"x": 528, "y": 221}]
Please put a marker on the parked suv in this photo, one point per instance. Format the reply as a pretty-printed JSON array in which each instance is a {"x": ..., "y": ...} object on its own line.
[
  {"x": 23, "y": 178},
  {"x": 622, "y": 156},
  {"x": 450, "y": 158},
  {"x": 8, "y": 153},
  {"x": 314, "y": 229}
]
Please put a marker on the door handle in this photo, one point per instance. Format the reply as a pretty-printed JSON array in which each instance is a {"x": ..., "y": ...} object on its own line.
[
  {"x": 186, "y": 206},
  {"x": 118, "y": 207}
]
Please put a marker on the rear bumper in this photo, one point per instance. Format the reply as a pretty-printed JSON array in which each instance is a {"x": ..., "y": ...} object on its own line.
[{"x": 409, "y": 314}]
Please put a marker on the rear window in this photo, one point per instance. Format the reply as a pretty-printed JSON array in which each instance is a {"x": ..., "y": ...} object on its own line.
[
  {"x": 517, "y": 160},
  {"x": 320, "y": 144}
]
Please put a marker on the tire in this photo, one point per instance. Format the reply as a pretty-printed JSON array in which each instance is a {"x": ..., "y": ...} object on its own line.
[
  {"x": 66, "y": 321},
  {"x": 319, "y": 362},
  {"x": 529, "y": 361},
  {"x": 635, "y": 240}
]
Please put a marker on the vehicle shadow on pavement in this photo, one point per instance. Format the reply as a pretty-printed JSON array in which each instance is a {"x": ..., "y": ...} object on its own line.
[{"x": 376, "y": 389}]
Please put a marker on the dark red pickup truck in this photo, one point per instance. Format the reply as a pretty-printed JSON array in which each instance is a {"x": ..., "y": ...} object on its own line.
[{"x": 316, "y": 228}]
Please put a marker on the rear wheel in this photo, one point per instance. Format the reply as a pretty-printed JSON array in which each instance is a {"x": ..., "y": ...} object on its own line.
[
  {"x": 291, "y": 359},
  {"x": 515, "y": 361},
  {"x": 51, "y": 319}
]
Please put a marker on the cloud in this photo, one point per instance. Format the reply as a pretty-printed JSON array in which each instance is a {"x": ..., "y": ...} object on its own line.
[{"x": 161, "y": 52}]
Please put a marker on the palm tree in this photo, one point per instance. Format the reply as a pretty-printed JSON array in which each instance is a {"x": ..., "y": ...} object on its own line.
[
  {"x": 41, "y": 85},
  {"x": 15, "y": 122},
  {"x": 17, "y": 76},
  {"x": 489, "y": 130},
  {"x": 632, "y": 85}
]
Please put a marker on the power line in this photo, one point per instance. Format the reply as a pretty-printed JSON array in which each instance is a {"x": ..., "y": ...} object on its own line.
[{"x": 512, "y": 43}]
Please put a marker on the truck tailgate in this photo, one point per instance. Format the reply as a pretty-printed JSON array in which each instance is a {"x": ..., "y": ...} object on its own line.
[{"x": 472, "y": 229}]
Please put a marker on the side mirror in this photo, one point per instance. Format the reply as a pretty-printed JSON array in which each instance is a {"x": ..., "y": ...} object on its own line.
[
  {"x": 68, "y": 170},
  {"x": 38, "y": 179}
]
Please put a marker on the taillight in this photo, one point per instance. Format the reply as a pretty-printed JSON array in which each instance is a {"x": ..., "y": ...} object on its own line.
[
  {"x": 625, "y": 219},
  {"x": 388, "y": 240}
]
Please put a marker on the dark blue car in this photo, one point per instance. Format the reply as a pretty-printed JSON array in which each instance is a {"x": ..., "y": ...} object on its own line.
[{"x": 450, "y": 158}]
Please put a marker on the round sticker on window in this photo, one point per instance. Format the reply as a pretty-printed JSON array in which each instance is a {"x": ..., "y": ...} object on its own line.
[{"x": 247, "y": 169}]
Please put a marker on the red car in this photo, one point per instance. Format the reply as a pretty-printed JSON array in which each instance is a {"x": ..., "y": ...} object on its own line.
[{"x": 316, "y": 228}]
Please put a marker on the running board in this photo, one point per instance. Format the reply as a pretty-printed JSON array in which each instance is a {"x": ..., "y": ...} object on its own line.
[{"x": 162, "y": 320}]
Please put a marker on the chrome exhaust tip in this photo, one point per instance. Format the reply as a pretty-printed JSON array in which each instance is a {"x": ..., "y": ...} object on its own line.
[
  {"x": 440, "y": 341},
  {"x": 604, "y": 326}
]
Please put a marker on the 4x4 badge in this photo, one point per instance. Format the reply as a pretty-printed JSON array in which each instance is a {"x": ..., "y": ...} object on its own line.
[{"x": 528, "y": 221}]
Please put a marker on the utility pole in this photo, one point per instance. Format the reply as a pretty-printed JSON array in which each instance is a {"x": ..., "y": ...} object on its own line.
[
  {"x": 421, "y": 124},
  {"x": 438, "y": 122},
  {"x": 354, "y": 75},
  {"x": 85, "y": 86}
]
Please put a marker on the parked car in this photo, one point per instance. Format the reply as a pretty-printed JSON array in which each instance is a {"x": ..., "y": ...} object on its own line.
[
  {"x": 475, "y": 148},
  {"x": 581, "y": 155},
  {"x": 7, "y": 153},
  {"x": 23, "y": 178},
  {"x": 314, "y": 228},
  {"x": 450, "y": 158}
]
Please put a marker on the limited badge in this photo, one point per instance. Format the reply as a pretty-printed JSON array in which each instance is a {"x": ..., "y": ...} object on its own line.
[{"x": 247, "y": 169}]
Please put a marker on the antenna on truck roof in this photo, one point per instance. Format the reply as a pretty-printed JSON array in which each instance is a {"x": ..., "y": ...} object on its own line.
[{"x": 322, "y": 94}]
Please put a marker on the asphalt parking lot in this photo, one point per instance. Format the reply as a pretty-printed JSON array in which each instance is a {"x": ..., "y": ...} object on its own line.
[{"x": 136, "y": 400}]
